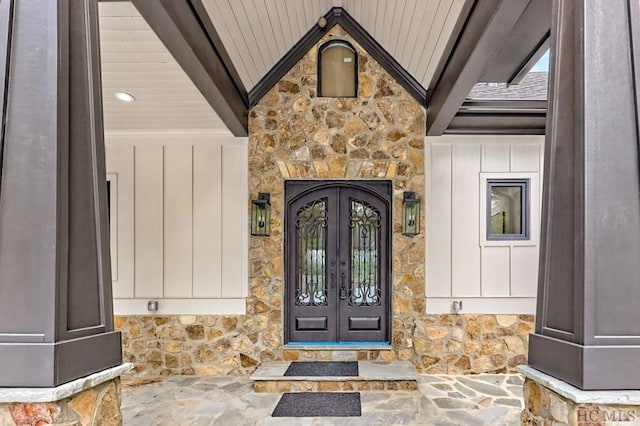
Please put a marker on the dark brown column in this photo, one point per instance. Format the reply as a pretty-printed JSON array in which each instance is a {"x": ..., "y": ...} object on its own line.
[
  {"x": 56, "y": 319},
  {"x": 588, "y": 322}
]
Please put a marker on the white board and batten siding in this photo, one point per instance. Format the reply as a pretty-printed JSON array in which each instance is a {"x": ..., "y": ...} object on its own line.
[
  {"x": 178, "y": 222},
  {"x": 461, "y": 264}
]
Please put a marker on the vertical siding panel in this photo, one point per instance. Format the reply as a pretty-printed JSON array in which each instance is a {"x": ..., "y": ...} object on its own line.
[
  {"x": 249, "y": 35},
  {"x": 178, "y": 226},
  {"x": 444, "y": 32},
  {"x": 227, "y": 14},
  {"x": 148, "y": 214},
  {"x": 112, "y": 206},
  {"x": 227, "y": 29},
  {"x": 207, "y": 221},
  {"x": 496, "y": 157},
  {"x": 234, "y": 218},
  {"x": 407, "y": 19},
  {"x": 262, "y": 31},
  {"x": 435, "y": 28},
  {"x": 274, "y": 18},
  {"x": 438, "y": 230},
  {"x": 416, "y": 62},
  {"x": 541, "y": 164},
  {"x": 285, "y": 22},
  {"x": 524, "y": 271},
  {"x": 387, "y": 24},
  {"x": 495, "y": 271},
  {"x": 300, "y": 19},
  {"x": 310, "y": 19},
  {"x": 380, "y": 11},
  {"x": 417, "y": 21},
  {"x": 368, "y": 23},
  {"x": 119, "y": 161},
  {"x": 353, "y": 7},
  {"x": 465, "y": 221},
  {"x": 525, "y": 157},
  {"x": 396, "y": 24}
]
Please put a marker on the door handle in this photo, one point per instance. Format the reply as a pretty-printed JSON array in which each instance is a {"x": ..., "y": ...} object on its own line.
[
  {"x": 333, "y": 275},
  {"x": 343, "y": 289}
]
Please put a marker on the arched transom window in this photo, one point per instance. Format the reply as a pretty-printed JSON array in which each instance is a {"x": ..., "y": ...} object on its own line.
[{"x": 337, "y": 69}]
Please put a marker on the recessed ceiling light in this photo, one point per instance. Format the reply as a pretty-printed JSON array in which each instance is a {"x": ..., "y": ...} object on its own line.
[{"x": 124, "y": 97}]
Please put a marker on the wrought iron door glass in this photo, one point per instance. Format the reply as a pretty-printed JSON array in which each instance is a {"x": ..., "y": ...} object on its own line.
[
  {"x": 365, "y": 243},
  {"x": 311, "y": 224},
  {"x": 337, "y": 261}
]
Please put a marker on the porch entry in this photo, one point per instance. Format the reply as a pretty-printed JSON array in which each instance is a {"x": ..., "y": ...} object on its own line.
[{"x": 337, "y": 260}]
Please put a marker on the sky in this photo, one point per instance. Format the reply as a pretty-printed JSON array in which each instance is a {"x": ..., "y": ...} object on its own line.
[{"x": 542, "y": 64}]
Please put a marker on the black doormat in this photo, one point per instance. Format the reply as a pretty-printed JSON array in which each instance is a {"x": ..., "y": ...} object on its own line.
[
  {"x": 318, "y": 404},
  {"x": 323, "y": 368}
]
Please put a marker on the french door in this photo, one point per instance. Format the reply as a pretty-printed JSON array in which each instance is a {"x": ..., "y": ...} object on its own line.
[{"x": 337, "y": 259}]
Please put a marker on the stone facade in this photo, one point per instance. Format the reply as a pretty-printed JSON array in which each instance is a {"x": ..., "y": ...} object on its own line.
[
  {"x": 96, "y": 406},
  {"x": 293, "y": 134},
  {"x": 546, "y": 407},
  {"x": 236, "y": 345}
]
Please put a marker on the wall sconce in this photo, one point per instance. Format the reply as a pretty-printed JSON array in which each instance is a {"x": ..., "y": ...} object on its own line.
[
  {"x": 261, "y": 215},
  {"x": 410, "y": 214}
]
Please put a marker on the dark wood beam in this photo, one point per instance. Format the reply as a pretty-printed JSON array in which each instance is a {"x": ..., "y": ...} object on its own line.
[
  {"x": 185, "y": 29},
  {"x": 533, "y": 59},
  {"x": 528, "y": 39},
  {"x": 489, "y": 24},
  {"x": 508, "y": 117}
]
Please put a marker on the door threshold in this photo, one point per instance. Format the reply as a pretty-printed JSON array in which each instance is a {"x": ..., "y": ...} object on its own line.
[{"x": 338, "y": 346}]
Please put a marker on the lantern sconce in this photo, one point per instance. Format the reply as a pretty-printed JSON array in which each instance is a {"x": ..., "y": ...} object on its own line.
[
  {"x": 261, "y": 215},
  {"x": 410, "y": 214}
]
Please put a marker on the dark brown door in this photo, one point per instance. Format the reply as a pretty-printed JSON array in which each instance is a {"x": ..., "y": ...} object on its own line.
[{"x": 337, "y": 259}]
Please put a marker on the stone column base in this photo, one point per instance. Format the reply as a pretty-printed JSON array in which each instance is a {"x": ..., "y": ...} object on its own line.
[
  {"x": 91, "y": 400},
  {"x": 551, "y": 401}
]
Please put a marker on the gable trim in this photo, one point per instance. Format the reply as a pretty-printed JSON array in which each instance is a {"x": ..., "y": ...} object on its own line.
[{"x": 338, "y": 16}]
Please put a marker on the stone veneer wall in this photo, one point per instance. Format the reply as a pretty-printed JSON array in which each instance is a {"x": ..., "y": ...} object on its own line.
[
  {"x": 235, "y": 345},
  {"x": 546, "y": 407},
  {"x": 293, "y": 134},
  {"x": 96, "y": 406}
]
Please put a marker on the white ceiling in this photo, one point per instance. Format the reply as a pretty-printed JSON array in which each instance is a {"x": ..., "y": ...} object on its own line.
[
  {"x": 135, "y": 61},
  {"x": 256, "y": 34}
]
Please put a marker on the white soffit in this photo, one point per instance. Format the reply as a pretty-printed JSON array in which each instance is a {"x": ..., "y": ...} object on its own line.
[
  {"x": 257, "y": 33},
  {"x": 135, "y": 61}
]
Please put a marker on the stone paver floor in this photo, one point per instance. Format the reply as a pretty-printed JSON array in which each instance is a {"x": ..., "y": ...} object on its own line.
[{"x": 486, "y": 399}]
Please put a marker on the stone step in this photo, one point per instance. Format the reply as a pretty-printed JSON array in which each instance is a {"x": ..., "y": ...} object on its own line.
[
  {"x": 373, "y": 376},
  {"x": 331, "y": 352}
]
